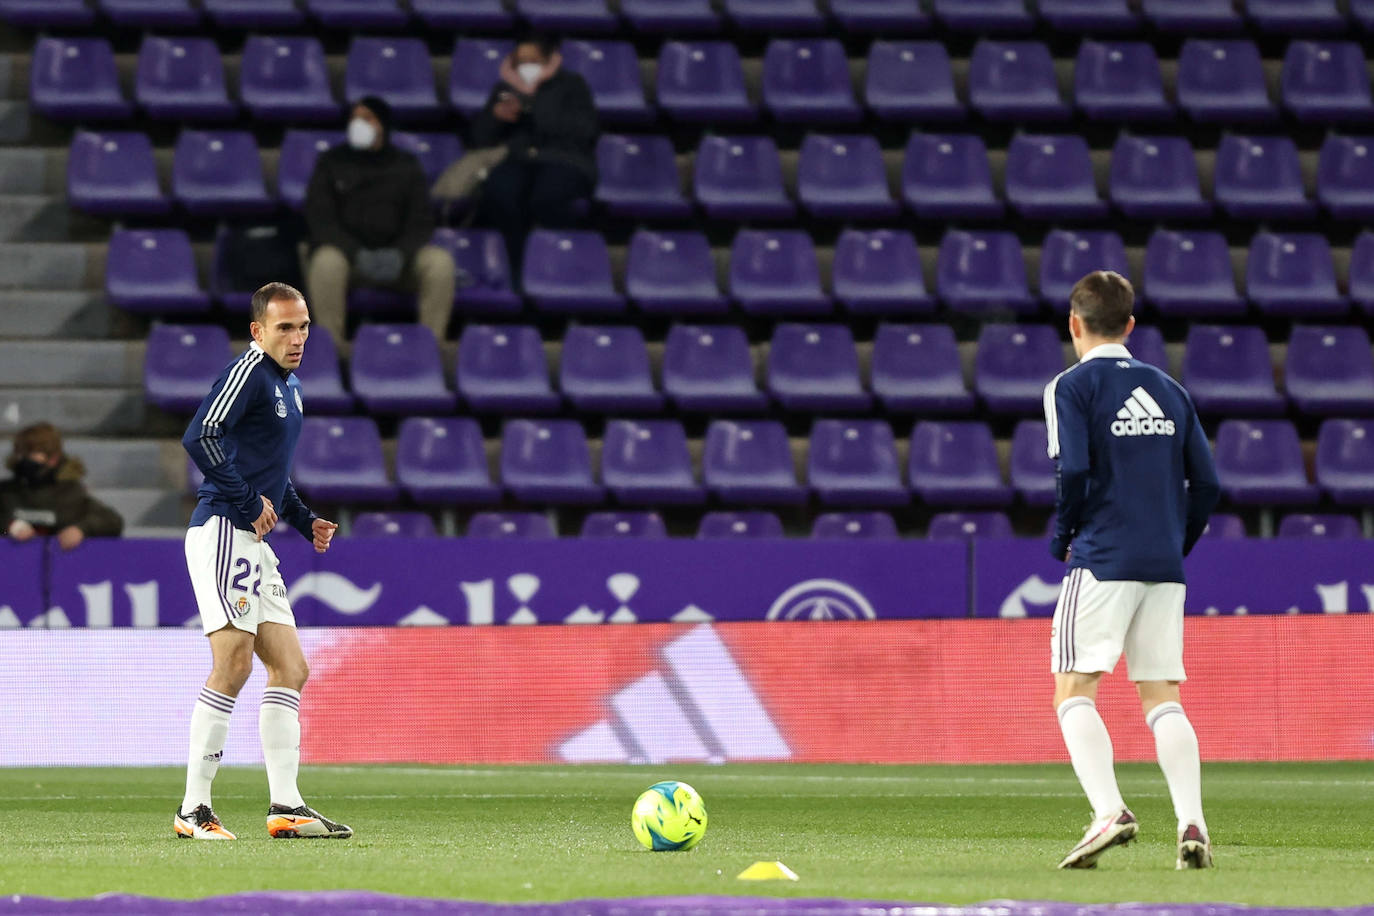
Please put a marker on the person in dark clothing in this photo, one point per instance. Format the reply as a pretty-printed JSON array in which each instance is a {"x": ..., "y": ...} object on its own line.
[
  {"x": 368, "y": 213},
  {"x": 546, "y": 118},
  {"x": 46, "y": 496}
]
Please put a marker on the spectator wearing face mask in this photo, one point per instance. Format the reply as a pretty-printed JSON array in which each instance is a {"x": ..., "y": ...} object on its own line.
[
  {"x": 545, "y": 116},
  {"x": 46, "y": 496},
  {"x": 369, "y": 218}
]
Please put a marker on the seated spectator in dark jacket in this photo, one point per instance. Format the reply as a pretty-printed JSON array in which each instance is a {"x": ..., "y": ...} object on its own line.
[
  {"x": 369, "y": 216},
  {"x": 46, "y": 496},
  {"x": 545, "y": 116}
]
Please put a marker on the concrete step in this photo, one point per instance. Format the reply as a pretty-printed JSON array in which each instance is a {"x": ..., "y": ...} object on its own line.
[
  {"x": 103, "y": 411},
  {"x": 146, "y": 506},
  {"x": 51, "y": 265},
  {"x": 50, "y": 363},
  {"x": 33, "y": 170},
  {"x": 161, "y": 532},
  {"x": 34, "y": 218},
  {"x": 156, "y": 463},
  {"x": 15, "y": 126},
  {"x": 65, "y": 314}
]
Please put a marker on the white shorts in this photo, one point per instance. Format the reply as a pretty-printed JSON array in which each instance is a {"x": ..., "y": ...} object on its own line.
[
  {"x": 1094, "y": 622},
  {"x": 235, "y": 578}
]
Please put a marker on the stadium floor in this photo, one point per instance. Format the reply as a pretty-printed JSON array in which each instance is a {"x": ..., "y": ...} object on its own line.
[{"x": 1293, "y": 835}]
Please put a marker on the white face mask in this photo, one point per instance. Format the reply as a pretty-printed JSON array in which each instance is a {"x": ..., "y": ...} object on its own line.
[
  {"x": 529, "y": 72},
  {"x": 361, "y": 134}
]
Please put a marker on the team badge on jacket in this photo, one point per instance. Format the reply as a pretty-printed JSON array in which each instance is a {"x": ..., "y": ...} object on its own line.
[{"x": 281, "y": 409}]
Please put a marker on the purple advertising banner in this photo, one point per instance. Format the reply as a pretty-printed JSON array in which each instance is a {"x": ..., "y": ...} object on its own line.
[
  {"x": 1015, "y": 577},
  {"x": 450, "y": 581},
  {"x": 21, "y": 581}
]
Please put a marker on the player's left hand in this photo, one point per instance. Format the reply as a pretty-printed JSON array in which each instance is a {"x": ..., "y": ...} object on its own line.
[
  {"x": 324, "y": 533},
  {"x": 70, "y": 537}
]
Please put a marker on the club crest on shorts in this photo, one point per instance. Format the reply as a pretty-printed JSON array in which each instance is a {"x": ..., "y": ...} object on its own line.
[
  {"x": 241, "y": 605},
  {"x": 281, "y": 409}
]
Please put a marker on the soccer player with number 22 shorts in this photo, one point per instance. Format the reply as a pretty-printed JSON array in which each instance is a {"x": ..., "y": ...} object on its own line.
[
  {"x": 243, "y": 438},
  {"x": 1136, "y": 484}
]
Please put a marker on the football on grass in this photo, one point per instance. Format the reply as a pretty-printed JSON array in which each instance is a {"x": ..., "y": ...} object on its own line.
[{"x": 669, "y": 815}]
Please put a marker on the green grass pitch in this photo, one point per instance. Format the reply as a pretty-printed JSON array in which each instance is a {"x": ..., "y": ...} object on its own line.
[{"x": 1285, "y": 834}]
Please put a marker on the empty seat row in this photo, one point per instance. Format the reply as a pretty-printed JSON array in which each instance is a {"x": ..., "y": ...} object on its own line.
[{"x": 807, "y": 81}]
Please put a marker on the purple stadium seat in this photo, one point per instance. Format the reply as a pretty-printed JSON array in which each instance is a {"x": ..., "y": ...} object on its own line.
[
  {"x": 436, "y": 150},
  {"x": 725, "y": 525},
  {"x": 878, "y": 272},
  {"x": 947, "y": 176},
  {"x": 182, "y": 363},
  {"x": 74, "y": 79},
  {"x": 1147, "y": 345},
  {"x": 1260, "y": 462},
  {"x": 775, "y": 15},
  {"x": 623, "y": 525},
  {"x": 1326, "y": 81},
  {"x": 364, "y": 15},
  {"x": 854, "y": 463},
  {"x": 916, "y": 369},
  {"x": 606, "y": 368},
  {"x": 1089, "y": 15},
  {"x": 182, "y": 79},
  {"x": 1260, "y": 178},
  {"x": 983, "y": 273},
  {"x": 570, "y": 272},
  {"x": 673, "y": 273},
  {"x": 502, "y": 369},
  {"x": 637, "y": 177},
  {"x": 1330, "y": 370},
  {"x": 703, "y": 81},
  {"x": 1302, "y": 16},
  {"x": 1051, "y": 177},
  {"x": 911, "y": 80},
  {"x": 1362, "y": 11},
  {"x": 299, "y": 150},
  {"x": 1120, "y": 81},
  {"x": 48, "y": 14},
  {"x": 219, "y": 173},
  {"x": 320, "y": 375},
  {"x": 1362, "y": 271},
  {"x": 1223, "y": 81},
  {"x": 568, "y": 15},
  {"x": 286, "y": 79},
  {"x": 672, "y": 17},
  {"x": 1189, "y": 274},
  {"x": 443, "y": 462},
  {"x": 396, "y": 69},
  {"x": 1345, "y": 177},
  {"x": 1156, "y": 177},
  {"x": 484, "y": 278},
  {"x": 1013, "y": 364},
  {"x": 843, "y": 177},
  {"x": 1307, "y": 525},
  {"x": 1032, "y": 469},
  {"x": 750, "y": 461},
  {"x": 1193, "y": 15},
  {"x": 959, "y": 526},
  {"x": 954, "y": 463},
  {"x": 254, "y": 14},
  {"x": 880, "y": 17},
  {"x": 1345, "y": 461},
  {"x": 461, "y": 15},
  {"x": 392, "y": 525},
  {"x": 1015, "y": 81},
  {"x": 1291, "y": 274},
  {"x": 741, "y": 178},
  {"x": 339, "y": 460},
  {"x": 1068, "y": 255},
  {"x": 814, "y": 367},
  {"x": 1224, "y": 525},
  {"x": 113, "y": 173},
  {"x": 396, "y": 370},
  {"x": 527, "y": 526},
  {"x": 985, "y": 15},
  {"x": 646, "y": 462},
  {"x": 153, "y": 272},
  {"x": 474, "y": 71},
  {"x": 151, "y": 14},
  {"x": 1226, "y": 370},
  {"x": 547, "y": 461},
  {"x": 611, "y": 69},
  {"x": 832, "y": 526},
  {"x": 709, "y": 368},
  {"x": 807, "y": 81},
  {"x": 775, "y": 272}
]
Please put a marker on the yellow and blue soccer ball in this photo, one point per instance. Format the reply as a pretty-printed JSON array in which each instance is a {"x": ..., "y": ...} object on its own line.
[{"x": 669, "y": 815}]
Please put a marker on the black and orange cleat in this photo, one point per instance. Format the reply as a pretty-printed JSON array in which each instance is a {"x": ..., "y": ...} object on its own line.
[
  {"x": 200, "y": 824},
  {"x": 303, "y": 823}
]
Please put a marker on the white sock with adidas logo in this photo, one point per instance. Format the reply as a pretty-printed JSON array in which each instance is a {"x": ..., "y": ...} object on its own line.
[
  {"x": 279, "y": 726},
  {"x": 209, "y": 728}
]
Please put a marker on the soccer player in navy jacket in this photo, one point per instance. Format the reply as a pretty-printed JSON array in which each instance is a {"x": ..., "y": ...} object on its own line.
[
  {"x": 1136, "y": 484},
  {"x": 243, "y": 438}
]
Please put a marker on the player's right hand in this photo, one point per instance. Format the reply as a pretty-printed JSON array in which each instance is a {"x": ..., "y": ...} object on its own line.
[{"x": 267, "y": 521}]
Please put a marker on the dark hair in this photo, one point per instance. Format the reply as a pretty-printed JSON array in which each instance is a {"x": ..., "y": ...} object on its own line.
[
  {"x": 40, "y": 437},
  {"x": 1102, "y": 300},
  {"x": 546, "y": 42},
  {"x": 268, "y": 294}
]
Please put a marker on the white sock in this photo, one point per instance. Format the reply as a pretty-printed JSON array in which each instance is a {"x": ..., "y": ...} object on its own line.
[
  {"x": 1090, "y": 749},
  {"x": 209, "y": 727},
  {"x": 279, "y": 726},
  {"x": 1176, "y": 747}
]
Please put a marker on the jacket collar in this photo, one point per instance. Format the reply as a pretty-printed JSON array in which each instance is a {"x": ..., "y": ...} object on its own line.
[
  {"x": 1107, "y": 351},
  {"x": 283, "y": 372}
]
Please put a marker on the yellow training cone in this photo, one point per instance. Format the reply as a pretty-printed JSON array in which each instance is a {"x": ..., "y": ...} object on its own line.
[{"x": 767, "y": 871}]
